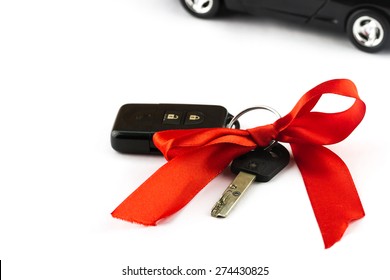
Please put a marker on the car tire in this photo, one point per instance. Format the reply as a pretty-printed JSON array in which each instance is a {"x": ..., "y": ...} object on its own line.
[
  {"x": 202, "y": 8},
  {"x": 368, "y": 30}
]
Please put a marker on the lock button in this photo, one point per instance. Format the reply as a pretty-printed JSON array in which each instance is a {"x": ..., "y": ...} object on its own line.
[{"x": 194, "y": 117}]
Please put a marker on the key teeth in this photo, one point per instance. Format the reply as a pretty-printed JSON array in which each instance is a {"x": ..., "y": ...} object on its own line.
[
  {"x": 216, "y": 211},
  {"x": 217, "y": 208},
  {"x": 232, "y": 194},
  {"x": 221, "y": 203},
  {"x": 217, "y": 214}
]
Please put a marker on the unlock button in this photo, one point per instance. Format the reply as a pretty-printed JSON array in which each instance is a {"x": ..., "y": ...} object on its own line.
[
  {"x": 194, "y": 118},
  {"x": 172, "y": 117}
]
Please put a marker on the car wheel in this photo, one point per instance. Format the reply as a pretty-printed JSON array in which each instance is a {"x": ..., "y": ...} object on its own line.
[
  {"x": 202, "y": 8},
  {"x": 368, "y": 30}
]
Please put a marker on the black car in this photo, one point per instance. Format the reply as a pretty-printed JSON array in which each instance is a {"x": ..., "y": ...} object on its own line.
[{"x": 367, "y": 22}]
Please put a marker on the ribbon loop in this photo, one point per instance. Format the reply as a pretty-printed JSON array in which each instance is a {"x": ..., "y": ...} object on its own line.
[{"x": 196, "y": 156}]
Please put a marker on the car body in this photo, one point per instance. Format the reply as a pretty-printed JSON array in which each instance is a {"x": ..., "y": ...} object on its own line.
[{"x": 367, "y": 22}]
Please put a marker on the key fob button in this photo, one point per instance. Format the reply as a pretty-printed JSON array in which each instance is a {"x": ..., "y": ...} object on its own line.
[
  {"x": 194, "y": 117},
  {"x": 172, "y": 117}
]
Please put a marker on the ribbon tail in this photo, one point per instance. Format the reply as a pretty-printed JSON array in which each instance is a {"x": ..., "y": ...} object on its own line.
[
  {"x": 331, "y": 190},
  {"x": 172, "y": 186}
]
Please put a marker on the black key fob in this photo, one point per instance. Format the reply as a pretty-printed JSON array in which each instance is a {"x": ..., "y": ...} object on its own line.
[{"x": 135, "y": 124}]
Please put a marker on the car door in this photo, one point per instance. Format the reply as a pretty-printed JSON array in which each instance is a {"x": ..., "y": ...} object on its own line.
[{"x": 300, "y": 8}]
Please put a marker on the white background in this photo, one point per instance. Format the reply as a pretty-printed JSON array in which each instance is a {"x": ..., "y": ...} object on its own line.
[{"x": 65, "y": 69}]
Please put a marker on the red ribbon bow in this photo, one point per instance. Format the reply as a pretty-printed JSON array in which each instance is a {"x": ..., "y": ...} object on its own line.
[{"x": 196, "y": 156}]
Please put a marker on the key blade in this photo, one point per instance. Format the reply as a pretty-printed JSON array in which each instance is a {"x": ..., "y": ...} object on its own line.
[{"x": 232, "y": 194}]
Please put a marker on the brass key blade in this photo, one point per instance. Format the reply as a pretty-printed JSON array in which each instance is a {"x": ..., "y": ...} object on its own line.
[{"x": 232, "y": 194}]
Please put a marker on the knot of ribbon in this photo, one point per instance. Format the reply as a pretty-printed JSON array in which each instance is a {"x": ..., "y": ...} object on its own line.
[{"x": 196, "y": 156}]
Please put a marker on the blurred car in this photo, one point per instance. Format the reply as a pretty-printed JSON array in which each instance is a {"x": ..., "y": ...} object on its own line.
[{"x": 366, "y": 22}]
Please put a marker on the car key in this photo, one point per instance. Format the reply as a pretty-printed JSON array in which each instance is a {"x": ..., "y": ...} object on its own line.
[
  {"x": 135, "y": 124},
  {"x": 259, "y": 165}
]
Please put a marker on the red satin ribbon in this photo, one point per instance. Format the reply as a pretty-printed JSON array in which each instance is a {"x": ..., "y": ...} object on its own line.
[{"x": 196, "y": 156}]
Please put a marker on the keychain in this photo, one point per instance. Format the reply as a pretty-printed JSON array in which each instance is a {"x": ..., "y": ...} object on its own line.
[{"x": 197, "y": 155}]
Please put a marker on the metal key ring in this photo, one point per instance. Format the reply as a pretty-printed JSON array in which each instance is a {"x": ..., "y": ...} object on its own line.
[{"x": 262, "y": 107}]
